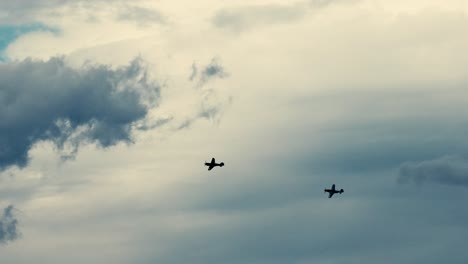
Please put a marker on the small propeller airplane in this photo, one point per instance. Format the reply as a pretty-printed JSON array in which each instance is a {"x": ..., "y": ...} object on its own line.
[
  {"x": 332, "y": 191},
  {"x": 213, "y": 164}
]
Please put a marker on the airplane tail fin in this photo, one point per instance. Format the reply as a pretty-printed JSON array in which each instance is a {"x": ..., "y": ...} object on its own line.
[
  {"x": 221, "y": 164},
  {"x": 341, "y": 191}
]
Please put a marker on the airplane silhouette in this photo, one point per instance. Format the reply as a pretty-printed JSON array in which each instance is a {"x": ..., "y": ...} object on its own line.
[
  {"x": 332, "y": 191},
  {"x": 213, "y": 164}
]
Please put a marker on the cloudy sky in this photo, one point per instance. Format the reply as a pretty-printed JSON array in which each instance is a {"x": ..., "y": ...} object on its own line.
[{"x": 108, "y": 110}]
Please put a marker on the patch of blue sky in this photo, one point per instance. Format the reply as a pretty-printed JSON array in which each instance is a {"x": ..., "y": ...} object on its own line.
[{"x": 9, "y": 33}]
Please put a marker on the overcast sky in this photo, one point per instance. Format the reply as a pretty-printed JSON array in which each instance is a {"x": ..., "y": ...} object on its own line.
[{"x": 108, "y": 110}]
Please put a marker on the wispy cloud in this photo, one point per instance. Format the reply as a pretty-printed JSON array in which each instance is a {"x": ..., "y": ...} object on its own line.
[
  {"x": 143, "y": 16},
  {"x": 241, "y": 18},
  {"x": 212, "y": 103},
  {"x": 8, "y": 225},
  {"x": 208, "y": 72},
  {"x": 449, "y": 170},
  {"x": 244, "y": 17},
  {"x": 194, "y": 72}
]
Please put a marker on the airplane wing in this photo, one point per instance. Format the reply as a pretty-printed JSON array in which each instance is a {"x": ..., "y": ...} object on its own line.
[
  {"x": 333, "y": 187},
  {"x": 210, "y": 167},
  {"x": 212, "y": 160},
  {"x": 330, "y": 194}
]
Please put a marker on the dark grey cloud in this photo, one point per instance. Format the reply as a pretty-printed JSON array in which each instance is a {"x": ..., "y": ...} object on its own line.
[
  {"x": 214, "y": 69},
  {"x": 49, "y": 101},
  {"x": 8, "y": 225},
  {"x": 449, "y": 170}
]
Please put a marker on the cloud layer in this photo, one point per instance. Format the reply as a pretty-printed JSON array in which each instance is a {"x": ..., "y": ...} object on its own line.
[
  {"x": 244, "y": 17},
  {"x": 240, "y": 18},
  {"x": 340, "y": 94},
  {"x": 449, "y": 170},
  {"x": 47, "y": 100}
]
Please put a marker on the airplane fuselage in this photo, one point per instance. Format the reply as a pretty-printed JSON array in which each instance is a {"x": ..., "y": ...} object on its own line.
[
  {"x": 213, "y": 164},
  {"x": 332, "y": 191}
]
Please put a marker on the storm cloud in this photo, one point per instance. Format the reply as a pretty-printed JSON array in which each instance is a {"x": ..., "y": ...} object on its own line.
[
  {"x": 8, "y": 225},
  {"x": 448, "y": 170},
  {"x": 49, "y": 101}
]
